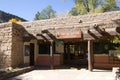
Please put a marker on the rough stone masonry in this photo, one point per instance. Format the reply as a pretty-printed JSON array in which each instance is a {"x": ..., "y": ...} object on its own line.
[{"x": 11, "y": 46}]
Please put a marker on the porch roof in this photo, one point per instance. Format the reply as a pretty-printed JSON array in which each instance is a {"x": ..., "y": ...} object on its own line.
[
  {"x": 86, "y": 30},
  {"x": 94, "y": 26}
]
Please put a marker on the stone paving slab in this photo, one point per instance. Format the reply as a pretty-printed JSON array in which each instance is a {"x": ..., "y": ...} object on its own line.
[
  {"x": 14, "y": 72},
  {"x": 66, "y": 74}
]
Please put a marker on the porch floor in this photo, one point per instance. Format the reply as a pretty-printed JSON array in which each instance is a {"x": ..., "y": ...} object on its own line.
[{"x": 66, "y": 74}]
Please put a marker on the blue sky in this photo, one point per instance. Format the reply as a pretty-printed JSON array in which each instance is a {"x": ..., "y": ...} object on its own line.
[{"x": 28, "y": 8}]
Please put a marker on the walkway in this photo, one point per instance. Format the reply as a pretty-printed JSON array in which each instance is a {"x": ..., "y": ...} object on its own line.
[{"x": 66, "y": 74}]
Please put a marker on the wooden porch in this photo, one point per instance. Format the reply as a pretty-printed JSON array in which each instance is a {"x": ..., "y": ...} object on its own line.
[{"x": 88, "y": 31}]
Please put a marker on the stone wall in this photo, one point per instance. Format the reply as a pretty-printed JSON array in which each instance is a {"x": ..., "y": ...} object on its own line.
[
  {"x": 107, "y": 20},
  {"x": 5, "y": 44},
  {"x": 73, "y": 19},
  {"x": 17, "y": 47},
  {"x": 11, "y": 45}
]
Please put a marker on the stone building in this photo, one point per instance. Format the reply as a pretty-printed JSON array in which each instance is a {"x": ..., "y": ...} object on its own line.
[{"x": 60, "y": 41}]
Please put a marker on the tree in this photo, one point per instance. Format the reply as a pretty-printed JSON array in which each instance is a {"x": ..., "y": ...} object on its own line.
[
  {"x": 85, "y": 6},
  {"x": 107, "y": 5},
  {"x": 74, "y": 12},
  {"x": 46, "y": 13},
  {"x": 95, "y": 6}
]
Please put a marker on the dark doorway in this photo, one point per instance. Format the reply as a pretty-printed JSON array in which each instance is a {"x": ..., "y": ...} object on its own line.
[
  {"x": 75, "y": 54},
  {"x": 31, "y": 54}
]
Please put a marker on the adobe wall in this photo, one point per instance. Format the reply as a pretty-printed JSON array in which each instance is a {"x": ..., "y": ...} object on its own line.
[{"x": 5, "y": 45}]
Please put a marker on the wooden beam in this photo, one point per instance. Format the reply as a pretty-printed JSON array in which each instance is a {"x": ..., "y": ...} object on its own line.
[
  {"x": 49, "y": 34},
  {"x": 41, "y": 37},
  {"x": 69, "y": 34},
  {"x": 90, "y": 55},
  {"x": 93, "y": 35}
]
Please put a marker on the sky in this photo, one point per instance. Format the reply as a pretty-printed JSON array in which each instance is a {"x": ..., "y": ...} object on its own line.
[{"x": 28, "y": 8}]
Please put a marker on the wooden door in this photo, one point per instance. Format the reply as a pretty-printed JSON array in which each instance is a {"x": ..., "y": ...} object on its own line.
[{"x": 31, "y": 54}]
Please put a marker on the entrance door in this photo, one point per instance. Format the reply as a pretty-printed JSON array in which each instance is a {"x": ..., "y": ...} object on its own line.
[
  {"x": 31, "y": 54},
  {"x": 75, "y": 53}
]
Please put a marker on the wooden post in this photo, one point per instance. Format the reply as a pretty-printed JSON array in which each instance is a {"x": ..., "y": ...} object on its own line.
[
  {"x": 90, "y": 55},
  {"x": 64, "y": 54},
  {"x": 52, "y": 51},
  {"x": 68, "y": 52}
]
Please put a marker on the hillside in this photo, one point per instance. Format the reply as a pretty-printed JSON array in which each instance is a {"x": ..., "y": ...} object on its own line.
[{"x": 5, "y": 17}]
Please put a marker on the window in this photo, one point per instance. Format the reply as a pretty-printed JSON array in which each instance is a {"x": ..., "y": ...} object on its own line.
[
  {"x": 44, "y": 48},
  {"x": 59, "y": 47},
  {"x": 27, "y": 50},
  {"x": 102, "y": 47}
]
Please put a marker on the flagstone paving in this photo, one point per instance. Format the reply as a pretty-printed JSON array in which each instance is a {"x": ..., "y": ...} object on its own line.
[{"x": 66, "y": 74}]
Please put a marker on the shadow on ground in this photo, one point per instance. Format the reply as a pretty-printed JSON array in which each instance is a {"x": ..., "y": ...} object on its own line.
[{"x": 60, "y": 67}]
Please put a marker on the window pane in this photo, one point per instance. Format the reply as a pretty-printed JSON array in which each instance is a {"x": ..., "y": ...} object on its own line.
[
  {"x": 27, "y": 50},
  {"x": 102, "y": 47},
  {"x": 44, "y": 48}
]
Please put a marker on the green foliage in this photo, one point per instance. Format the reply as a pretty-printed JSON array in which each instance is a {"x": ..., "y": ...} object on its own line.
[
  {"x": 116, "y": 41},
  {"x": 74, "y": 12},
  {"x": 46, "y": 13},
  {"x": 95, "y": 6},
  {"x": 108, "y": 5},
  {"x": 85, "y": 6}
]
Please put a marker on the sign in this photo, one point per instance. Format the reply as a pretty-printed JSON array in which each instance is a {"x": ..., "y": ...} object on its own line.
[{"x": 69, "y": 34}]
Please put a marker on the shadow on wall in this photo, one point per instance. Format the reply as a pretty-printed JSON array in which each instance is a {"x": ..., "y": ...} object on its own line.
[
  {"x": 25, "y": 34},
  {"x": 3, "y": 58},
  {"x": 117, "y": 22}
]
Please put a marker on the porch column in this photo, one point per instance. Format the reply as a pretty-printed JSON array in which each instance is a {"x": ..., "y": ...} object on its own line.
[
  {"x": 90, "y": 55},
  {"x": 52, "y": 51}
]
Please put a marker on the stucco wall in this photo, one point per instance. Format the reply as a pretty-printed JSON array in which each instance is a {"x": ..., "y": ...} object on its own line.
[
  {"x": 5, "y": 44},
  {"x": 104, "y": 61},
  {"x": 44, "y": 60},
  {"x": 27, "y": 58}
]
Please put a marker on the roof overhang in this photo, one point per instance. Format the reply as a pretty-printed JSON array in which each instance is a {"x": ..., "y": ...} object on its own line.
[{"x": 84, "y": 31}]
